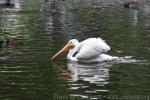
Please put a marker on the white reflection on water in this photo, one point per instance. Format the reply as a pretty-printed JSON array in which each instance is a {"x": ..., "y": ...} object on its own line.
[
  {"x": 93, "y": 73},
  {"x": 134, "y": 15},
  {"x": 96, "y": 72},
  {"x": 17, "y": 4}
]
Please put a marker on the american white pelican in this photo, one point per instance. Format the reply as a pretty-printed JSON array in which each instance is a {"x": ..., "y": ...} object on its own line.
[{"x": 89, "y": 50}]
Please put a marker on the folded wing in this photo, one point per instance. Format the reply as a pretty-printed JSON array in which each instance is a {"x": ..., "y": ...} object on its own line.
[{"x": 91, "y": 48}]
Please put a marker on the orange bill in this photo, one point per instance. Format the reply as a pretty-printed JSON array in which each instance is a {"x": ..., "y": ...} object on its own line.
[{"x": 65, "y": 48}]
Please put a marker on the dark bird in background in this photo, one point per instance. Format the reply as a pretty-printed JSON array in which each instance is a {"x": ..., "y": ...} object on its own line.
[
  {"x": 10, "y": 40},
  {"x": 131, "y": 5}
]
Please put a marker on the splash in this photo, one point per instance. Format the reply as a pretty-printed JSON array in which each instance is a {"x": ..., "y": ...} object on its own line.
[{"x": 129, "y": 60}]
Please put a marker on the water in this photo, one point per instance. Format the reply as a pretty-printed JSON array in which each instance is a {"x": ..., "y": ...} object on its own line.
[{"x": 38, "y": 28}]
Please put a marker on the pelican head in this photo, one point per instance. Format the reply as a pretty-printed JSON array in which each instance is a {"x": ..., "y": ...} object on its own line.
[
  {"x": 70, "y": 45},
  {"x": 74, "y": 42}
]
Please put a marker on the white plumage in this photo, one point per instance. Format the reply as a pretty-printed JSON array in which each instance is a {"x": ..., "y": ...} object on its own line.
[{"x": 89, "y": 50}]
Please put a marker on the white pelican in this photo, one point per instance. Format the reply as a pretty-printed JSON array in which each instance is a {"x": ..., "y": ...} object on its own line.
[{"x": 89, "y": 50}]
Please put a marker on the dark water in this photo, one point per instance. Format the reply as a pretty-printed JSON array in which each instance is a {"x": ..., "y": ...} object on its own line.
[{"x": 38, "y": 28}]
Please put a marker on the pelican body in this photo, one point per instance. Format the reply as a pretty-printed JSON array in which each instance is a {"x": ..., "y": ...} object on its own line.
[{"x": 89, "y": 50}]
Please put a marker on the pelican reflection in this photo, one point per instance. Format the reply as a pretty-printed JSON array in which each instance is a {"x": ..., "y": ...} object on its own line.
[{"x": 93, "y": 73}]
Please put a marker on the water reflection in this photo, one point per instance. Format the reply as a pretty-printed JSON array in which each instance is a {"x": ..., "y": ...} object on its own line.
[
  {"x": 44, "y": 25},
  {"x": 93, "y": 73},
  {"x": 91, "y": 81},
  {"x": 17, "y": 5},
  {"x": 81, "y": 77},
  {"x": 10, "y": 25},
  {"x": 134, "y": 17}
]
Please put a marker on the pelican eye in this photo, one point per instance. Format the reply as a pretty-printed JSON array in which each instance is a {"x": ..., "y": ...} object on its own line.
[{"x": 70, "y": 42}]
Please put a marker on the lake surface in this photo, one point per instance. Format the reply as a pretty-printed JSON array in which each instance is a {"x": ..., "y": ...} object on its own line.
[{"x": 39, "y": 28}]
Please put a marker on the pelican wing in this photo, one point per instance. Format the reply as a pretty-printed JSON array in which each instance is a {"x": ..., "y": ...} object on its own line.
[{"x": 91, "y": 48}]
